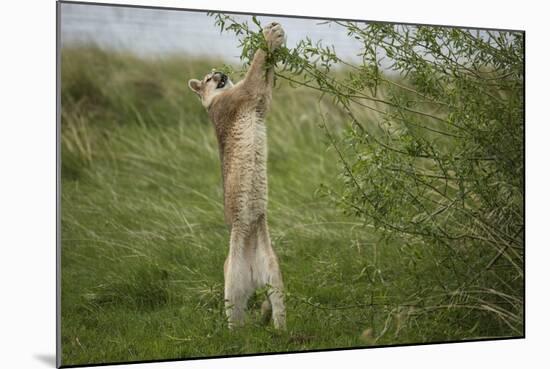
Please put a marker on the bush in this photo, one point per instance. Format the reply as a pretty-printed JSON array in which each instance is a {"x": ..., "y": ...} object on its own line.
[{"x": 439, "y": 162}]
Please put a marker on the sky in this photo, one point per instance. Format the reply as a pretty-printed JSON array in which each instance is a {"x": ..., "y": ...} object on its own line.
[{"x": 157, "y": 32}]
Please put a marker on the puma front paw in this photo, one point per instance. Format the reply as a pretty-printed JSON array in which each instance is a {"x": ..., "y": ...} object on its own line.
[{"x": 274, "y": 35}]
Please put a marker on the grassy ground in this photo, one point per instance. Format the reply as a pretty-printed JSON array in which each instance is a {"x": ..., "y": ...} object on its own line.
[{"x": 143, "y": 237}]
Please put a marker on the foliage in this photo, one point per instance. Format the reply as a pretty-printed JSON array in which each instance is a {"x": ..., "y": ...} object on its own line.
[
  {"x": 429, "y": 173},
  {"x": 440, "y": 164}
]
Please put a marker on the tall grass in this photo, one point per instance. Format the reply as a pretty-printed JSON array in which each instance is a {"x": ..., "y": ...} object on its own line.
[{"x": 144, "y": 241}]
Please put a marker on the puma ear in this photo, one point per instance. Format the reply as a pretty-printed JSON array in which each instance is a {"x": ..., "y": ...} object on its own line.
[{"x": 195, "y": 85}]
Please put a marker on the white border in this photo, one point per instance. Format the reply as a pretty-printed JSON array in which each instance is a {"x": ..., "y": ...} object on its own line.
[{"x": 27, "y": 185}]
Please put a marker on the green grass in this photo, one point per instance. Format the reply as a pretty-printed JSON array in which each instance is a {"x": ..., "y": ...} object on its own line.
[{"x": 144, "y": 241}]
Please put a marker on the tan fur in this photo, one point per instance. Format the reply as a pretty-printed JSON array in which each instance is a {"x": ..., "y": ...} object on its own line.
[{"x": 238, "y": 112}]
